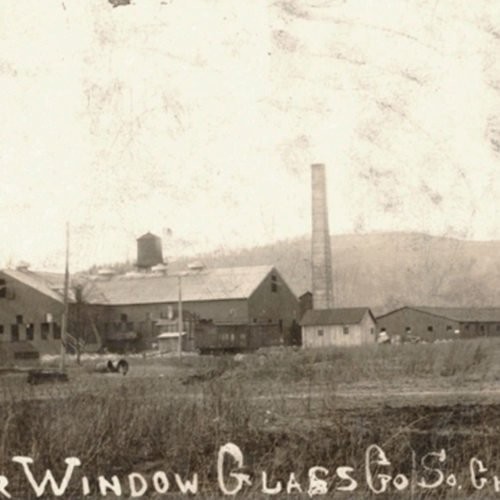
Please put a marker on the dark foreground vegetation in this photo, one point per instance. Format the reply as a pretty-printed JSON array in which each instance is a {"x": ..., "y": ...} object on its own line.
[{"x": 280, "y": 409}]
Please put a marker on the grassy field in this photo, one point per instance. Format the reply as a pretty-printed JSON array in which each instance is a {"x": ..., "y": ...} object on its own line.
[{"x": 286, "y": 410}]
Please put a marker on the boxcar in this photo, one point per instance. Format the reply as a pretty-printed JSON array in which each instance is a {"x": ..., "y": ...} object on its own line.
[{"x": 212, "y": 339}]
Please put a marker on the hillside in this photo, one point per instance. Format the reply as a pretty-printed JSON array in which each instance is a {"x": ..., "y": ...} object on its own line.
[{"x": 386, "y": 270}]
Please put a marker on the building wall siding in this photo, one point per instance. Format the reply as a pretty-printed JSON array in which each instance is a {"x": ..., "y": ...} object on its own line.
[
  {"x": 274, "y": 302},
  {"x": 142, "y": 316},
  {"x": 480, "y": 329},
  {"x": 420, "y": 323},
  {"x": 333, "y": 335},
  {"x": 33, "y": 306}
]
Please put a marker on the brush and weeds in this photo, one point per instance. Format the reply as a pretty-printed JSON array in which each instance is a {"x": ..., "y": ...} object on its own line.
[{"x": 117, "y": 426}]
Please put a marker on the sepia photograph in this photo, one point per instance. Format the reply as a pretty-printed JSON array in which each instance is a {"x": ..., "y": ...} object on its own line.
[{"x": 250, "y": 249}]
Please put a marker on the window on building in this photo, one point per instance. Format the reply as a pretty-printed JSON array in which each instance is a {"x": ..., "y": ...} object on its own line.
[
  {"x": 14, "y": 333},
  {"x": 44, "y": 330},
  {"x": 320, "y": 333},
  {"x": 467, "y": 327},
  {"x": 123, "y": 318},
  {"x": 498, "y": 328},
  {"x": 449, "y": 328},
  {"x": 430, "y": 328},
  {"x": 274, "y": 284},
  {"x": 3, "y": 289},
  {"x": 1, "y": 329},
  {"x": 346, "y": 330},
  {"x": 280, "y": 324},
  {"x": 408, "y": 329},
  {"x": 56, "y": 331},
  {"x": 30, "y": 331},
  {"x": 481, "y": 327},
  {"x": 19, "y": 319},
  {"x": 372, "y": 331}
]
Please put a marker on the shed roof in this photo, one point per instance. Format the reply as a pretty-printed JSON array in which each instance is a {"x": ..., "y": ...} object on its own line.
[
  {"x": 170, "y": 335},
  {"x": 209, "y": 284},
  {"x": 340, "y": 316},
  {"x": 462, "y": 314}
]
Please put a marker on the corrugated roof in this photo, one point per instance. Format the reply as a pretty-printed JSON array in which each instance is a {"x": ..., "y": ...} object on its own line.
[
  {"x": 464, "y": 314},
  {"x": 341, "y": 316},
  {"x": 209, "y": 284},
  {"x": 44, "y": 283}
]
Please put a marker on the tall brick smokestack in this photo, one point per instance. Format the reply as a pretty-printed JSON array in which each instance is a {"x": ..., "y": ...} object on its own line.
[{"x": 321, "y": 252}]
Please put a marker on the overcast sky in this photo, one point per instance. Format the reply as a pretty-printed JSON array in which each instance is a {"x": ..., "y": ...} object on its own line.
[{"x": 203, "y": 116}]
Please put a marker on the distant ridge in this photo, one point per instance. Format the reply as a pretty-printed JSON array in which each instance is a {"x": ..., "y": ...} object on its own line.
[
  {"x": 387, "y": 270},
  {"x": 382, "y": 270}
]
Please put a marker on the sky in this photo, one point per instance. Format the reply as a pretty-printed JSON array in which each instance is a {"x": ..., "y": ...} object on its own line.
[{"x": 199, "y": 120}]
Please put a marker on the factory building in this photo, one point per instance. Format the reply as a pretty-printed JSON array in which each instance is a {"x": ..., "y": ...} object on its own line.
[
  {"x": 252, "y": 306},
  {"x": 230, "y": 298},
  {"x": 338, "y": 327},
  {"x": 31, "y": 309},
  {"x": 438, "y": 323}
]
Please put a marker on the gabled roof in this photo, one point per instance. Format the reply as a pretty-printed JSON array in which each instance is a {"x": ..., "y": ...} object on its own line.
[
  {"x": 462, "y": 314},
  {"x": 341, "y": 316},
  {"x": 46, "y": 283},
  {"x": 209, "y": 284}
]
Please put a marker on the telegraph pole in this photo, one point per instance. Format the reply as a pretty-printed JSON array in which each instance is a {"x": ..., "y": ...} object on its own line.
[{"x": 64, "y": 325}]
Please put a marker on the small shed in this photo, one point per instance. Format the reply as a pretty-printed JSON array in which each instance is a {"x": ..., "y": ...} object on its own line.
[
  {"x": 169, "y": 341},
  {"x": 338, "y": 327}
]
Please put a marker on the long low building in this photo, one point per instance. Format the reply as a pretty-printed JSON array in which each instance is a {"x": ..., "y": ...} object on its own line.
[{"x": 435, "y": 323}]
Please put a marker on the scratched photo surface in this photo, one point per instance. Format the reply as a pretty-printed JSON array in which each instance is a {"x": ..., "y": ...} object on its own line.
[{"x": 250, "y": 248}]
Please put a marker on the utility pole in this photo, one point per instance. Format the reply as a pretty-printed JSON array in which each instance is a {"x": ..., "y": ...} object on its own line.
[
  {"x": 179, "y": 317},
  {"x": 78, "y": 325},
  {"x": 64, "y": 325}
]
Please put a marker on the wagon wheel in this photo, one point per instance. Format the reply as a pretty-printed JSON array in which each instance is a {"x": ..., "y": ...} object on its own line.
[{"x": 122, "y": 367}]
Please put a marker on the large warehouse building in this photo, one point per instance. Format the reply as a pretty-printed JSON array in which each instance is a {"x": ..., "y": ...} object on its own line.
[{"x": 255, "y": 295}]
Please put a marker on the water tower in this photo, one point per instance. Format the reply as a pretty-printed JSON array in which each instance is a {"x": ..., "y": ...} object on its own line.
[{"x": 149, "y": 251}]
